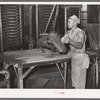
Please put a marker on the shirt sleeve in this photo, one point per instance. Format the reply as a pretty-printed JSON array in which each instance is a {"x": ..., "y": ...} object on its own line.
[{"x": 80, "y": 37}]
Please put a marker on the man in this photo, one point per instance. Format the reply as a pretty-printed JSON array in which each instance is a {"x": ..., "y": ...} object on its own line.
[{"x": 76, "y": 37}]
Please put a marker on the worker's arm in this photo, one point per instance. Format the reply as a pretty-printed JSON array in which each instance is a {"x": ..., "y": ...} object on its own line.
[{"x": 79, "y": 42}]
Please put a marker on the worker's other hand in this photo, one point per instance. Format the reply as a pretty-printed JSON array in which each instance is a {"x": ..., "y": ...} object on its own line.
[{"x": 49, "y": 42}]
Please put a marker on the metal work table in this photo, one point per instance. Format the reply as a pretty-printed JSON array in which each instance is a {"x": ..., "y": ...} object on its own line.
[{"x": 34, "y": 58}]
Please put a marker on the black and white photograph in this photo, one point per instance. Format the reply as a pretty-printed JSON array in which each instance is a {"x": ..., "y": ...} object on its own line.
[{"x": 50, "y": 46}]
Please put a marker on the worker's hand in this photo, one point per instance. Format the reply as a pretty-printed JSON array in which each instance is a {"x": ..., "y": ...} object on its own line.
[{"x": 65, "y": 39}]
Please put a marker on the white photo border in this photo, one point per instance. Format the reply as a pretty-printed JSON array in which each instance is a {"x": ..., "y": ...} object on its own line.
[{"x": 50, "y": 93}]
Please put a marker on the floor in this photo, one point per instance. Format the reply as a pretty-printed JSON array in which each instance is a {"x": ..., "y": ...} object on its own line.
[{"x": 48, "y": 77}]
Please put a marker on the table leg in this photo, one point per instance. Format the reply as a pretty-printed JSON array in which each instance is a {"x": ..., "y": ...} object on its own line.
[
  {"x": 94, "y": 74},
  {"x": 20, "y": 79},
  {"x": 65, "y": 74},
  {"x": 97, "y": 71}
]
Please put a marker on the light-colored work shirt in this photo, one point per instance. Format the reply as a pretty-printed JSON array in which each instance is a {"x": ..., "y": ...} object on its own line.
[{"x": 79, "y": 58}]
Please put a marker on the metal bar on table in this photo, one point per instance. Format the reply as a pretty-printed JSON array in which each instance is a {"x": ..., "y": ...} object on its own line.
[
  {"x": 30, "y": 69},
  {"x": 62, "y": 65},
  {"x": 60, "y": 71},
  {"x": 65, "y": 72},
  {"x": 20, "y": 79},
  {"x": 97, "y": 71},
  {"x": 93, "y": 73},
  {"x": 16, "y": 71}
]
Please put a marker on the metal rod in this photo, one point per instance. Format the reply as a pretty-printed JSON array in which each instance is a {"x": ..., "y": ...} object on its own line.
[
  {"x": 99, "y": 23},
  {"x": 20, "y": 79},
  {"x": 56, "y": 16},
  {"x": 24, "y": 75},
  {"x": 60, "y": 72},
  {"x": 94, "y": 76},
  {"x": 16, "y": 72},
  {"x": 1, "y": 36},
  {"x": 37, "y": 28},
  {"x": 20, "y": 10},
  {"x": 49, "y": 18},
  {"x": 30, "y": 28},
  {"x": 65, "y": 74},
  {"x": 65, "y": 19},
  {"x": 97, "y": 72}
]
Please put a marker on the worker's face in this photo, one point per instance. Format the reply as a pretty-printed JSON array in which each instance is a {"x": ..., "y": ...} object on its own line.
[{"x": 70, "y": 23}]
